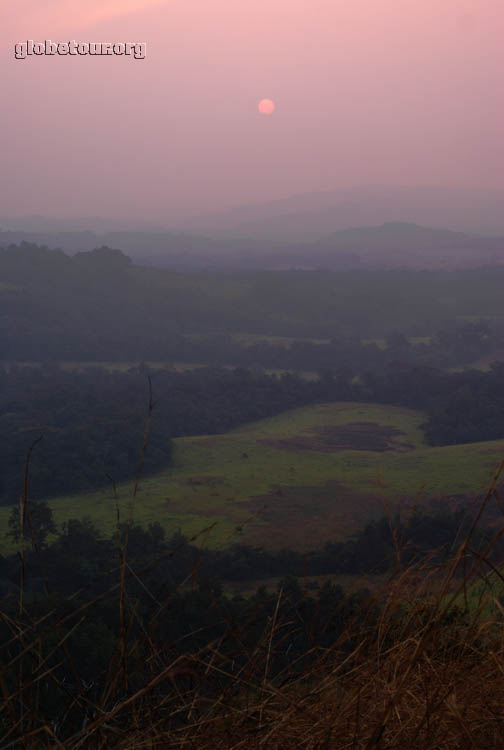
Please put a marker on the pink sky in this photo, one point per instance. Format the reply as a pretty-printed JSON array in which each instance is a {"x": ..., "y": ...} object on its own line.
[{"x": 366, "y": 91}]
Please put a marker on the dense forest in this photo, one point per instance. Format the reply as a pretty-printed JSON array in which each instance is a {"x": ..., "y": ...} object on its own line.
[{"x": 104, "y": 308}]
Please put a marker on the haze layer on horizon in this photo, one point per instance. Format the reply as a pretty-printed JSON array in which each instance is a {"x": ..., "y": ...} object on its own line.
[{"x": 390, "y": 92}]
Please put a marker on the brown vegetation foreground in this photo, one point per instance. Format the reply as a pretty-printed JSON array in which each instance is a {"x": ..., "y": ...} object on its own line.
[
  {"x": 432, "y": 680},
  {"x": 422, "y": 667}
]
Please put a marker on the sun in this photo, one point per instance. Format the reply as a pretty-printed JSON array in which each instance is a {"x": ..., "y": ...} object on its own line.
[{"x": 266, "y": 106}]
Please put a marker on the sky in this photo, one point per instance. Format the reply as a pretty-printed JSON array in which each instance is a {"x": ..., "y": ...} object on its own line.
[{"x": 391, "y": 92}]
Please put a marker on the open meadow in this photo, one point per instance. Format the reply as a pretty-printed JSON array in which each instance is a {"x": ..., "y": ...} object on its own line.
[{"x": 296, "y": 480}]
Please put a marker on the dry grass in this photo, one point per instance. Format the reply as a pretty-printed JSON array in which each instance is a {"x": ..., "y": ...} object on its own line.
[
  {"x": 413, "y": 670},
  {"x": 415, "y": 682}
]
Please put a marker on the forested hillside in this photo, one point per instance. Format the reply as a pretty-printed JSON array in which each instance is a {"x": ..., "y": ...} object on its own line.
[{"x": 104, "y": 308}]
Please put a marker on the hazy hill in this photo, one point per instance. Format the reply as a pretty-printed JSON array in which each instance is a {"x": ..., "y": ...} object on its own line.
[
  {"x": 312, "y": 215},
  {"x": 399, "y": 244},
  {"x": 391, "y": 245}
]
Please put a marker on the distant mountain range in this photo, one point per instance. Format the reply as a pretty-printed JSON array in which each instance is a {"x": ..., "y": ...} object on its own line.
[
  {"x": 377, "y": 226},
  {"x": 391, "y": 245},
  {"x": 310, "y": 216}
]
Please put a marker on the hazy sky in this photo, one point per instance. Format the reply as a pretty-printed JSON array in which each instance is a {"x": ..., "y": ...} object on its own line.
[{"x": 366, "y": 91}]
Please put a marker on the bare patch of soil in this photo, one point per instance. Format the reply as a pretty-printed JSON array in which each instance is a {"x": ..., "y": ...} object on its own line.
[
  {"x": 305, "y": 517},
  {"x": 363, "y": 436},
  {"x": 206, "y": 481}
]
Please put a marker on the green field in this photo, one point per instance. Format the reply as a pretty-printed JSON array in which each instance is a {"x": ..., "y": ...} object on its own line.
[
  {"x": 299, "y": 479},
  {"x": 381, "y": 343},
  {"x": 483, "y": 363}
]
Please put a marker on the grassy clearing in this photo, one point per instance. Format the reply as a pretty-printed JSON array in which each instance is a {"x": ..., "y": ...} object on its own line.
[
  {"x": 248, "y": 339},
  {"x": 253, "y": 484},
  {"x": 483, "y": 363},
  {"x": 124, "y": 366},
  {"x": 154, "y": 365},
  {"x": 381, "y": 343}
]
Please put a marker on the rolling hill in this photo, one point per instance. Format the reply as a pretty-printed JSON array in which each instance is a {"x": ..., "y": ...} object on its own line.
[{"x": 296, "y": 480}]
